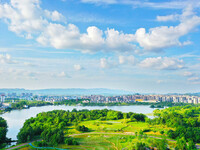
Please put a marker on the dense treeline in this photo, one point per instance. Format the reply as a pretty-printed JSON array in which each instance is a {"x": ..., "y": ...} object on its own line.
[
  {"x": 51, "y": 125},
  {"x": 185, "y": 120},
  {"x": 3, "y": 131},
  {"x": 153, "y": 105},
  {"x": 21, "y": 104}
]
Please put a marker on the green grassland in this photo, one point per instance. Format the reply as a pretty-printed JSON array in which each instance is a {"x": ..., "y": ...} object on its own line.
[
  {"x": 119, "y": 126},
  {"x": 110, "y": 135}
]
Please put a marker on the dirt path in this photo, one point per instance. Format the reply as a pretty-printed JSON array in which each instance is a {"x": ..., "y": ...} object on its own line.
[
  {"x": 18, "y": 146},
  {"x": 10, "y": 148}
]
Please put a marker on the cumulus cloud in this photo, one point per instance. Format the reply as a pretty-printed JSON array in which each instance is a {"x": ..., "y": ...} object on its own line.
[
  {"x": 26, "y": 18},
  {"x": 163, "y": 37},
  {"x": 54, "y": 16},
  {"x": 162, "y": 63},
  {"x": 78, "y": 67},
  {"x": 107, "y": 63},
  {"x": 69, "y": 37},
  {"x": 6, "y": 59}
]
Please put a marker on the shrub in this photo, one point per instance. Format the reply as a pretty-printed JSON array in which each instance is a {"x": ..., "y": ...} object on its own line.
[
  {"x": 71, "y": 141},
  {"x": 162, "y": 132},
  {"x": 102, "y": 118},
  {"x": 82, "y": 128},
  {"x": 146, "y": 130}
]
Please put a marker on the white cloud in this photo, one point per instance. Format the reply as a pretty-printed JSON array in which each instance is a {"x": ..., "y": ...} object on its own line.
[
  {"x": 93, "y": 38},
  {"x": 188, "y": 74},
  {"x": 54, "y": 16},
  {"x": 107, "y": 63},
  {"x": 119, "y": 41},
  {"x": 26, "y": 18},
  {"x": 127, "y": 59},
  {"x": 69, "y": 37},
  {"x": 175, "y": 4},
  {"x": 20, "y": 73},
  {"x": 168, "y": 18},
  {"x": 60, "y": 36},
  {"x": 78, "y": 67},
  {"x": 162, "y": 63},
  {"x": 62, "y": 75},
  {"x": 163, "y": 37},
  {"x": 6, "y": 59},
  {"x": 103, "y": 63}
]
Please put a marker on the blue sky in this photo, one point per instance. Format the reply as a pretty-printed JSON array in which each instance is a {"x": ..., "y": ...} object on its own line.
[{"x": 142, "y": 46}]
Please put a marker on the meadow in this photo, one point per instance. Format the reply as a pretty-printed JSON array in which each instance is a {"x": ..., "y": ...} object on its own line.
[{"x": 111, "y": 135}]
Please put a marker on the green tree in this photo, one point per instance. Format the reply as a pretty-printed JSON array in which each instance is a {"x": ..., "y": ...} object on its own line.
[
  {"x": 181, "y": 144},
  {"x": 191, "y": 145},
  {"x": 3, "y": 130},
  {"x": 140, "y": 146}
]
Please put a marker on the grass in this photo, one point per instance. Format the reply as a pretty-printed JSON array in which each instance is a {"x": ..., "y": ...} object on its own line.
[
  {"x": 101, "y": 142},
  {"x": 110, "y": 135}
]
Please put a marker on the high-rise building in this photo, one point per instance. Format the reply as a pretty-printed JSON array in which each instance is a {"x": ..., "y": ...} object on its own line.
[{"x": 2, "y": 98}]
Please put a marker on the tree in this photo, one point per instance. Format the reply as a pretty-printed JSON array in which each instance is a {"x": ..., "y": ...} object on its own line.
[
  {"x": 82, "y": 128},
  {"x": 181, "y": 144},
  {"x": 191, "y": 145},
  {"x": 3, "y": 130},
  {"x": 53, "y": 136},
  {"x": 140, "y": 146}
]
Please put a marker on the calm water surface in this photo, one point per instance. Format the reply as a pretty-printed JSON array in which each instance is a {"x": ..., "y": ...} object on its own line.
[{"x": 16, "y": 118}]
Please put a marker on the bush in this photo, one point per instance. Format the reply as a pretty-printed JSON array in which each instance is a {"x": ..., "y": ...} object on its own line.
[
  {"x": 102, "y": 118},
  {"x": 162, "y": 132},
  {"x": 71, "y": 141},
  {"x": 140, "y": 146},
  {"x": 146, "y": 130},
  {"x": 82, "y": 128},
  {"x": 172, "y": 134},
  {"x": 40, "y": 144}
]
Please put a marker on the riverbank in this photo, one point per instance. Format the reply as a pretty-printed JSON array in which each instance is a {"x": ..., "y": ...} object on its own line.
[{"x": 25, "y": 104}]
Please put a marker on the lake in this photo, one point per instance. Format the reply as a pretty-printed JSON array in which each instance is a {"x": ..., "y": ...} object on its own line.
[{"x": 16, "y": 118}]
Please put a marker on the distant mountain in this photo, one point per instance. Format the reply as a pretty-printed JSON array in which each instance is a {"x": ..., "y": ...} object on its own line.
[
  {"x": 70, "y": 91},
  {"x": 193, "y": 94}
]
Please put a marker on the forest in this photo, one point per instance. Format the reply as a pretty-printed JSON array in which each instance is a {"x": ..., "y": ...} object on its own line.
[{"x": 185, "y": 120}]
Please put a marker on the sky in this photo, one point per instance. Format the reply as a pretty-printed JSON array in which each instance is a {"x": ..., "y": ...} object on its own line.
[{"x": 143, "y": 46}]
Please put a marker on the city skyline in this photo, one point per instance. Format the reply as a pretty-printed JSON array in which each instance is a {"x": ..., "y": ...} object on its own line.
[{"x": 139, "y": 46}]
